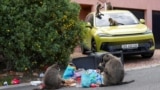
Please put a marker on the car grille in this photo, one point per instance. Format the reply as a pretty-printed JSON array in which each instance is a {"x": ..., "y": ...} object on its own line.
[{"x": 142, "y": 46}]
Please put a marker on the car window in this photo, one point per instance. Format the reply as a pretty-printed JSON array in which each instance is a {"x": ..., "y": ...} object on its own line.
[
  {"x": 103, "y": 21},
  {"x": 121, "y": 18}
]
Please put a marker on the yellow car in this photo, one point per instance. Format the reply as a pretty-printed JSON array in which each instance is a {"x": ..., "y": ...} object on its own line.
[{"x": 127, "y": 34}]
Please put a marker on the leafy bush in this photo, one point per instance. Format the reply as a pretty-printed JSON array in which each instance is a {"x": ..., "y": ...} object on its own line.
[
  {"x": 38, "y": 32},
  {"x": 7, "y": 79}
]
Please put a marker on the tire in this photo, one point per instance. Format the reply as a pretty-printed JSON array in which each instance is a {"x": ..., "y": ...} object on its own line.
[
  {"x": 93, "y": 45},
  {"x": 83, "y": 49},
  {"x": 147, "y": 55}
]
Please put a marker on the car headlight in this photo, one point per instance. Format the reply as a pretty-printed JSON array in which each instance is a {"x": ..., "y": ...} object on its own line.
[{"x": 104, "y": 35}]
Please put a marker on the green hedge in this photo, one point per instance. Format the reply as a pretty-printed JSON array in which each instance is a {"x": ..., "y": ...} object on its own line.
[{"x": 34, "y": 33}]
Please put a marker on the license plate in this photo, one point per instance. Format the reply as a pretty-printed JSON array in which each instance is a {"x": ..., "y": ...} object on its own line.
[{"x": 130, "y": 46}]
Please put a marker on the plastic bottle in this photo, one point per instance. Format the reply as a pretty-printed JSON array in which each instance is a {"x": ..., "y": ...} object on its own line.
[
  {"x": 102, "y": 82},
  {"x": 35, "y": 83},
  {"x": 5, "y": 83},
  {"x": 78, "y": 82}
]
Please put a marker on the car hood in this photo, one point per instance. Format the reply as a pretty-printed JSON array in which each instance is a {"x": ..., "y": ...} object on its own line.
[{"x": 123, "y": 30}]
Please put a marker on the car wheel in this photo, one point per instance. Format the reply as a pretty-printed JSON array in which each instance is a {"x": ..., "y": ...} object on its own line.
[
  {"x": 93, "y": 48},
  {"x": 147, "y": 55},
  {"x": 83, "y": 49}
]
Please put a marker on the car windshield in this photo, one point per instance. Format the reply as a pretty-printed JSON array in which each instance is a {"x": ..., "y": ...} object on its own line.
[{"x": 121, "y": 18}]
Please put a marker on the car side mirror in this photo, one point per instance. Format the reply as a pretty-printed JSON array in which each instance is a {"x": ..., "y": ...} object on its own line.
[
  {"x": 142, "y": 21},
  {"x": 88, "y": 25}
]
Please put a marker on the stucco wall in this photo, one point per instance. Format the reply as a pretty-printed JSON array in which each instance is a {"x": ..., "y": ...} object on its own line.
[{"x": 147, "y": 5}]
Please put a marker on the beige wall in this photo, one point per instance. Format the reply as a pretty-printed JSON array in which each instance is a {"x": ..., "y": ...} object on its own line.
[{"x": 147, "y": 5}]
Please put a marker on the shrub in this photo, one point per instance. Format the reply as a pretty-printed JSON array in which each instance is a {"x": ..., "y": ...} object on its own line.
[{"x": 38, "y": 32}]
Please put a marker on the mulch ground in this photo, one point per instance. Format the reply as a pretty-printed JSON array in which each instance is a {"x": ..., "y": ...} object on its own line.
[{"x": 28, "y": 76}]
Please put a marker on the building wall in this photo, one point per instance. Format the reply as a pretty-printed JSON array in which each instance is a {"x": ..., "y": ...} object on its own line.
[
  {"x": 147, "y": 5},
  {"x": 85, "y": 9}
]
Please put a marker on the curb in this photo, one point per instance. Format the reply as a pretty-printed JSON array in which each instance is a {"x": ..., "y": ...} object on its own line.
[
  {"x": 142, "y": 67},
  {"x": 14, "y": 86}
]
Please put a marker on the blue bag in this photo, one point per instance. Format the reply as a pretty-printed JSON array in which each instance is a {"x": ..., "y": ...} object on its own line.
[
  {"x": 93, "y": 76},
  {"x": 85, "y": 80},
  {"x": 69, "y": 72}
]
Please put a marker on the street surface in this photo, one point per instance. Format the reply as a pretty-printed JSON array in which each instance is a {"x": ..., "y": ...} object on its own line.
[{"x": 145, "y": 79}]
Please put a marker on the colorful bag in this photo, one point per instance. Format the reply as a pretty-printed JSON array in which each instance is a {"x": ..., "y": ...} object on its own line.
[
  {"x": 85, "y": 80},
  {"x": 89, "y": 77},
  {"x": 69, "y": 72}
]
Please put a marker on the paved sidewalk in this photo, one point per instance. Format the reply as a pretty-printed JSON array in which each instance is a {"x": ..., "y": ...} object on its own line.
[{"x": 137, "y": 62}]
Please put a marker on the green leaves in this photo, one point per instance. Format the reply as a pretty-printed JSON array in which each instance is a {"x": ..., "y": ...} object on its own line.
[{"x": 42, "y": 31}]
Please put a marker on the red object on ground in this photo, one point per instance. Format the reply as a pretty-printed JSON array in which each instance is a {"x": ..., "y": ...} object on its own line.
[
  {"x": 93, "y": 85},
  {"x": 78, "y": 79},
  {"x": 42, "y": 86},
  {"x": 15, "y": 81},
  {"x": 78, "y": 82}
]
